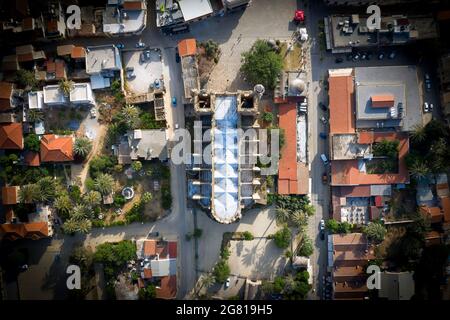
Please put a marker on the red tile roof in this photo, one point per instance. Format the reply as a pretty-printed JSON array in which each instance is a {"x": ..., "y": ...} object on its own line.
[
  {"x": 24, "y": 57},
  {"x": 382, "y": 101},
  {"x": 187, "y": 47},
  {"x": 147, "y": 273},
  {"x": 355, "y": 191},
  {"x": 289, "y": 170},
  {"x": 168, "y": 288},
  {"x": 11, "y": 136},
  {"x": 149, "y": 248},
  {"x": 346, "y": 172},
  {"x": 34, "y": 230},
  {"x": 132, "y": 5},
  {"x": 172, "y": 249},
  {"x": 56, "y": 149},
  {"x": 32, "y": 159},
  {"x": 78, "y": 53},
  {"x": 9, "y": 195},
  {"x": 445, "y": 202},
  {"x": 341, "y": 92},
  {"x": 433, "y": 213},
  {"x": 6, "y": 90}
]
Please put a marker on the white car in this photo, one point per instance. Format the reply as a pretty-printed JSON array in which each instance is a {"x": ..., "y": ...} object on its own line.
[
  {"x": 324, "y": 159},
  {"x": 322, "y": 224},
  {"x": 93, "y": 112},
  {"x": 426, "y": 108},
  {"x": 431, "y": 107},
  {"x": 227, "y": 283},
  {"x": 176, "y": 126}
]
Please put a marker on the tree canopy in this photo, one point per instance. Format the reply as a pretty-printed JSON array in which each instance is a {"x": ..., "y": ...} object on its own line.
[{"x": 261, "y": 64}]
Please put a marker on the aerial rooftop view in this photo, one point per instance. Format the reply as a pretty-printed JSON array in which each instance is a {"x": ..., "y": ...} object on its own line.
[{"x": 224, "y": 150}]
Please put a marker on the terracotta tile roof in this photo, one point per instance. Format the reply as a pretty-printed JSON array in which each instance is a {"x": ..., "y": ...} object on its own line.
[
  {"x": 149, "y": 248},
  {"x": 341, "y": 92},
  {"x": 172, "y": 249},
  {"x": 6, "y": 90},
  {"x": 56, "y": 149},
  {"x": 445, "y": 202},
  {"x": 25, "y": 57},
  {"x": 64, "y": 50},
  {"x": 147, "y": 273},
  {"x": 34, "y": 230},
  {"x": 52, "y": 26},
  {"x": 382, "y": 101},
  {"x": 60, "y": 71},
  {"x": 132, "y": 5},
  {"x": 11, "y": 136},
  {"x": 32, "y": 159},
  {"x": 433, "y": 213},
  {"x": 168, "y": 288},
  {"x": 289, "y": 170},
  {"x": 51, "y": 66},
  {"x": 187, "y": 47},
  {"x": 355, "y": 191},
  {"x": 346, "y": 172},
  {"x": 78, "y": 53},
  {"x": 9, "y": 195}
]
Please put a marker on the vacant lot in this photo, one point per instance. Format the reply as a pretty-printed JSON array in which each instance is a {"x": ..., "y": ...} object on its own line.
[{"x": 146, "y": 71}]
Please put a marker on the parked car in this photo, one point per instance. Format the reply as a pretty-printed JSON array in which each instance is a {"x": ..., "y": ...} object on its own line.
[
  {"x": 227, "y": 283},
  {"x": 381, "y": 56},
  {"x": 426, "y": 108},
  {"x": 120, "y": 46},
  {"x": 154, "y": 234},
  {"x": 322, "y": 224},
  {"x": 427, "y": 77},
  {"x": 323, "y": 135},
  {"x": 339, "y": 60},
  {"x": 299, "y": 16},
  {"x": 176, "y": 126},
  {"x": 428, "y": 86},
  {"x": 140, "y": 44},
  {"x": 93, "y": 112},
  {"x": 174, "y": 101},
  {"x": 431, "y": 107},
  {"x": 324, "y": 120},
  {"x": 323, "y": 106},
  {"x": 363, "y": 56},
  {"x": 392, "y": 55},
  {"x": 325, "y": 178},
  {"x": 369, "y": 55},
  {"x": 324, "y": 159},
  {"x": 356, "y": 57},
  {"x": 349, "y": 57},
  {"x": 145, "y": 56}
]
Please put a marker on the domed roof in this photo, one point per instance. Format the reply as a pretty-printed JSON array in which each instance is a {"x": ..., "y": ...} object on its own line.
[{"x": 298, "y": 85}]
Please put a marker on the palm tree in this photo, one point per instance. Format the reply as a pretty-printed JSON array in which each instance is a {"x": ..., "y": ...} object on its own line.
[
  {"x": 46, "y": 187},
  {"x": 299, "y": 219},
  {"x": 79, "y": 213},
  {"x": 63, "y": 204},
  {"x": 29, "y": 193},
  {"x": 92, "y": 198},
  {"x": 207, "y": 281},
  {"x": 70, "y": 226},
  {"x": 84, "y": 226},
  {"x": 35, "y": 115},
  {"x": 282, "y": 215},
  {"x": 130, "y": 116},
  {"x": 419, "y": 170},
  {"x": 82, "y": 146},
  {"x": 418, "y": 134},
  {"x": 66, "y": 86},
  {"x": 104, "y": 183},
  {"x": 146, "y": 197}
]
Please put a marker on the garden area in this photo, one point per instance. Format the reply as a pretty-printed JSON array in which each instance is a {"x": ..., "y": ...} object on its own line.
[
  {"x": 385, "y": 158},
  {"x": 208, "y": 56}
]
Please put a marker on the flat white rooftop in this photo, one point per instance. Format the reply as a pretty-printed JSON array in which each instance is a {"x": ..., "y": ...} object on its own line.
[
  {"x": 54, "y": 95},
  {"x": 81, "y": 92},
  {"x": 35, "y": 100},
  {"x": 102, "y": 58},
  {"x": 193, "y": 9}
]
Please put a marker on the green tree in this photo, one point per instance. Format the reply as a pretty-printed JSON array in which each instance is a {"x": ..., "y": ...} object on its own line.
[
  {"x": 418, "y": 135},
  {"x": 47, "y": 189},
  {"x": 207, "y": 281},
  {"x": 92, "y": 198},
  {"x": 248, "y": 235},
  {"x": 63, "y": 205},
  {"x": 375, "y": 232},
  {"x": 66, "y": 86},
  {"x": 136, "y": 166},
  {"x": 130, "y": 115},
  {"x": 29, "y": 193},
  {"x": 299, "y": 220},
  {"x": 282, "y": 215},
  {"x": 221, "y": 271},
  {"x": 32, "y": 142},
  {"x": 306, "y": 247},
  {"x": 332, "y": 225},
  {"x": 147, "y": 293},
  {"x": 262, "y": 64},
  {"x": 283, "y": 237},
  {"x": 267, "y": 117},
  {"x": 101, "y": 164},
  {"x": 386, "y": 148},
  {"x": 104, "y": 183},
  {"x": 82, "y": 146},
  {"x": 146, "y": 197},
  {"x": 419, "y": 170},
  {"x": 35, "y": 115},
  {"x": 26, "y": 78}
]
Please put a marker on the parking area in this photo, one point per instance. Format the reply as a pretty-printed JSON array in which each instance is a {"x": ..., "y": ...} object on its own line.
[{"x": 143, "y": 70}]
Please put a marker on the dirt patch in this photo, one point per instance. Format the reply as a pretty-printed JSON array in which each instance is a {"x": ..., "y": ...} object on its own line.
[
  {"x": 205, "y": 67},
  {"x": 293, "y": 59}
]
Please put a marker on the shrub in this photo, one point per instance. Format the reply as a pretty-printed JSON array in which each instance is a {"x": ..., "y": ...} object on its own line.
[
  {"x": 283, "y": 237},
  {"x": 119, "y": 200},
  {"x": 198, "y": 233},
  {"x": 267, "y": 117},
  {"x": 26, "y": 78},
  {"x": 375, "y": 231},
  {"x": 136, "y": 166},
  {"x": 101, "y": 164},
  {"x": 32, "y": 142},
  {"x": 248, "y": 235},
  {"x": 306, "y": 247},
  {"x": 221, "y": 271},
  {"x": 166, "y": 198}
]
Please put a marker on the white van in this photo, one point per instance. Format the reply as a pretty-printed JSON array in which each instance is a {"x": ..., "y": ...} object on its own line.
[{"x": 324, "y": 159}]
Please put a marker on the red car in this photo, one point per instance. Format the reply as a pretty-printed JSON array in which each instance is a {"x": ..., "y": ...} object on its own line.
[{"x": 299, "y": 16}]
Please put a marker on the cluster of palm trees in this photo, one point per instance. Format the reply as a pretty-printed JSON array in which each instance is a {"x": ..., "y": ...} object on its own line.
[{"x": 43, "y": 191}]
